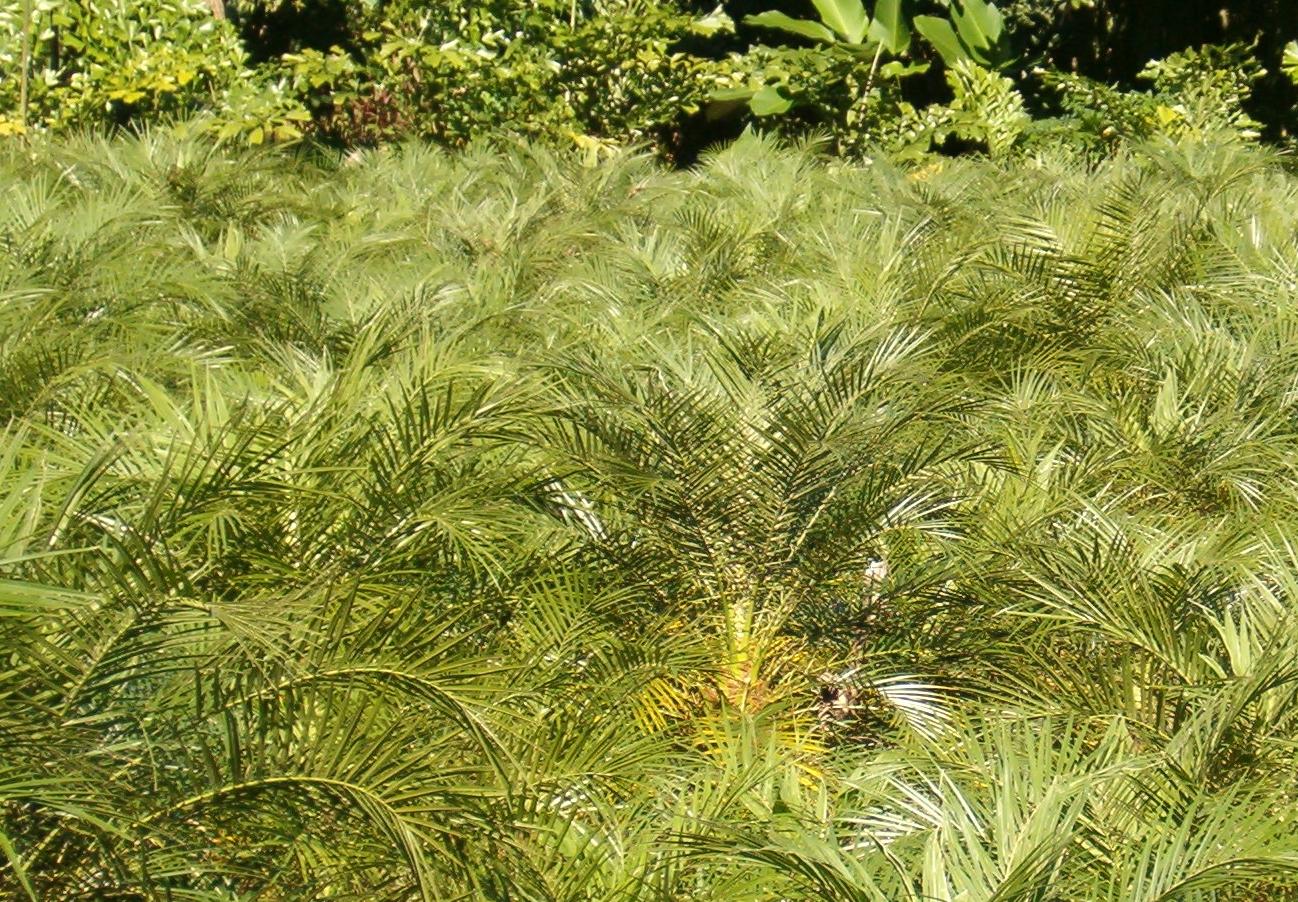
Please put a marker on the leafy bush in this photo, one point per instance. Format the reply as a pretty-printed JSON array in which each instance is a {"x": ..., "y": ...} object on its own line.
[
  {"x": 1208, "y": 87},
  {"x": 985, "y": 111},
  {"x": 114, "y": 62},
  {"x": 863, "y": 105},
  {"x": 108, "y": 59},
  {"x": 450, "y": 71},
  {"x": 1111, "y": 42},
  {"x": 1194, "y": 92},
  {"x": 854, "y": 78},
  {"x": 597, "y": 75},
  {"x": 556, "y": 69}
]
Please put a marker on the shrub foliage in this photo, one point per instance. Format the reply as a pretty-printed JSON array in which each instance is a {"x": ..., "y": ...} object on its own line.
[{"x": 676, "y": 75}]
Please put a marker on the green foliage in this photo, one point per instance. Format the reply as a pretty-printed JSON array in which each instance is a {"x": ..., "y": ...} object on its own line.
[
  {"x": 97, "y": 62},
  {"x": 414, "y": 525},
  {"x": 1194, "y": 92},
  {"x": 974, "y": 33},
  {"x": 973, "y": 30},
  {"x": 576, "y": 72},
  {"x": 1207, "y": 87},
  {"x": 97, "y": 59},
  {"x": 557, "y": 69},
  {"x": 560, "y": 70},
  {"x": 985, "y": 111}
]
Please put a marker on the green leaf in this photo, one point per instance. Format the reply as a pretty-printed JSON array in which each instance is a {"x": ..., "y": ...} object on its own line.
[
  {"x": 1290, "y": 61},
  {"x": 847, "y": 17},
  {"x": 25, "y": 599},
  {"x": 713, "y": 22},
  {"x": 16, "y": 865},
  {"x": 889, "y": 27},
  {"x": 769, "y": 102},
  {"x": 728, "y": 94},
  {"x": 899, "y": 69},
  {"x": 802, "y": 27},
  {"x": 726, "y": 101},
  {"x": 942, "y": 36},
  {"x": 980, "y": 25}
]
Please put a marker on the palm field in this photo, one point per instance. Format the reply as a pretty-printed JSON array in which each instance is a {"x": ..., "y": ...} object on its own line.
[{"x": 506, "y": 525}]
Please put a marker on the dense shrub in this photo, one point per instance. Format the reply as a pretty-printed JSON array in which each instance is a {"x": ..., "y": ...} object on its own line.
[
  {"x": 663, "y": 72},
  {"x": 488, "y": 525},
  {"x": 458, "y": 70},
  {"x": 666, "y": 73},
  {"x": 97, "y": 60},
  {"x": 1112, "y": 41},
  {"x": 1192, "y": 93},
  {"x": 116, "y": 62},
  {"x": 561, "y": 70}
]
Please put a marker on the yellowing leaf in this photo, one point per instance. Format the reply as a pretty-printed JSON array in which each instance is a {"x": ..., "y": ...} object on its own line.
[{"x": 1167, "y": 115}]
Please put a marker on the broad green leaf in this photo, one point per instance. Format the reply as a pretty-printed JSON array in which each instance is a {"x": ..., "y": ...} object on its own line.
[
  {"x": 729, "y": 94},
  {"x": 727, "y": 101},
  {"x": 847, "y": 17},
  {"x": 713, "y": 22},
  {"x": 980, "y": 25},
  {"x": 889, "y": 27},
  {"x": 942, "y": 36},
  {"x": 769, "y": 102},
  {"x": 1289, "y": 64},
  {"x": 802, "y": 27},
  {"x": 899, "y": 69}
]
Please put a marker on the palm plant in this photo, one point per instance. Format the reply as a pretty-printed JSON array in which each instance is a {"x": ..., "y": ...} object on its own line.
[{"x": 494, "y": 526}]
